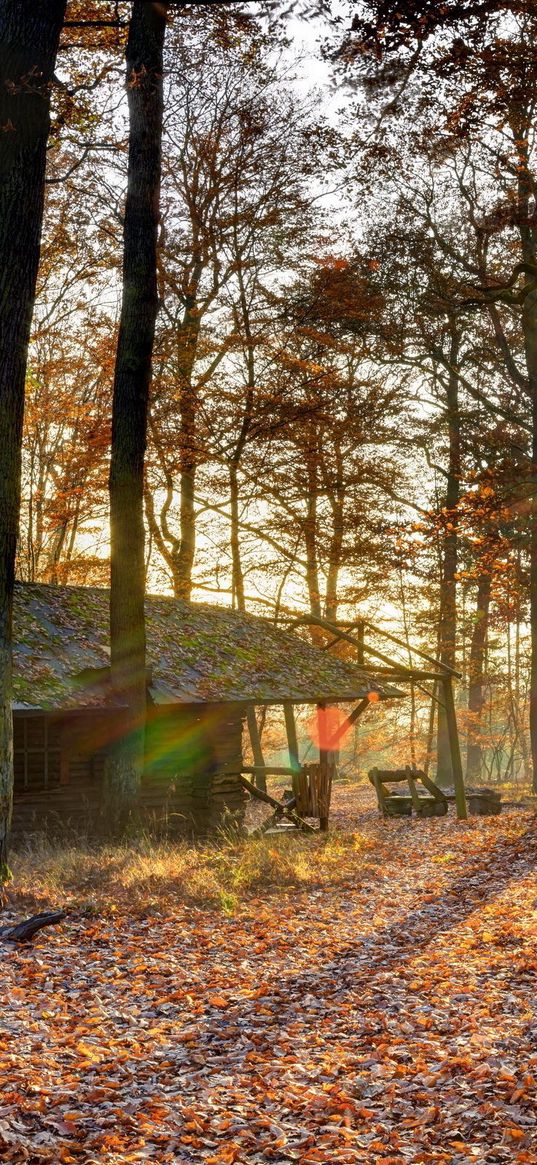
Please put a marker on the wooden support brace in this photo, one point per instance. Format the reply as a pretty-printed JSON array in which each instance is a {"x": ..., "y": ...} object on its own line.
[
  {"x": 281, "y": 807},
  {"x": 276, "y": 816},
  {"x": 413, "y": 792},
  {"x": 431, "y": 787},
  {"x": 348, "y": 723}
]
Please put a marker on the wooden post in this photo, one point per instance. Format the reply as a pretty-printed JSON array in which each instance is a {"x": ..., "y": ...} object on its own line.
[
  {"x": 430, "y": 730},
  {"x": 292, "y": 745},
  {"x": 324, "y": 791},
  {"x": 324, "y": 778},
  {"x": 292, "y": 740},
  {"x": 413, "y": 791},
  {"x": 255, "y": 741},
  {"x": 454, "y": 746},
  {"x": 379, "y": 790}
]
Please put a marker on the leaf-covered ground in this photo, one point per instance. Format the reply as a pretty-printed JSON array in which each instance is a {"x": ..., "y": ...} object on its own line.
[{"x": 383, "y": 1013}]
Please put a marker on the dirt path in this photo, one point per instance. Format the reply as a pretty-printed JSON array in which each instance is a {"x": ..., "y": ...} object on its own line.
[{"x": 388, "y": 1017}]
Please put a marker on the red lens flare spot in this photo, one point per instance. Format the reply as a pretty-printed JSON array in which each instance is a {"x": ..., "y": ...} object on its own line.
[{"x": 324, "y": 725}]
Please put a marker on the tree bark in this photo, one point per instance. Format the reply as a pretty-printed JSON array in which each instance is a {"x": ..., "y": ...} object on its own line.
[
  {"x": 179, "y": 552},
  {"x": 476, "y": 677},
  {"x": 184, "y": 561},
  {"x": 184, "y": 556},
  {"x": 448, "y": 586},
  {"x": 528, "y": 239},
  {"x": 336, "y": 501},
  {"x": 29, "y": 35},
  {"x": 237, "y": 574},
  {"x": 335, "y": 555},
  {"x": 529, "y": 316},
  {"x": 310, "y": 535},
  {"x": 132, "y": 378}
]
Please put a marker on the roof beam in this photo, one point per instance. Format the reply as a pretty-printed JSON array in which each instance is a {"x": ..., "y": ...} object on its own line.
[{"x": 337, "y": 629}]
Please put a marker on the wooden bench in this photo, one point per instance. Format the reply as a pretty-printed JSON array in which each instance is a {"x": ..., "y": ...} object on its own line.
[
  {"x": 481, "y": 802},
  {"x": 484, "y": 802},
  {"x": 429, "y": 801}
]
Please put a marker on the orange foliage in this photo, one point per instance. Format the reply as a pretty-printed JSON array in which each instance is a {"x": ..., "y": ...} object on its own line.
[{"x": 360, "y": 1019}]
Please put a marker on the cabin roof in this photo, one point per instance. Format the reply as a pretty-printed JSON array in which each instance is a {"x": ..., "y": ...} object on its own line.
[{"x": 196, "y": 654}]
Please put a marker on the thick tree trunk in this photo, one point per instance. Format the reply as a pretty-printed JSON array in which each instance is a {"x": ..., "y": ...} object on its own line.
[
  {"x": 530, "y": 339},
  {"x": 529, "y": 328},
  {"x": 130, "y": 404},
  {"x": 520, "y": 121},
  {"x": 476, "y": 678},
  {"x": 29, "y": 36},
  {"x": 448, "y": 585}
]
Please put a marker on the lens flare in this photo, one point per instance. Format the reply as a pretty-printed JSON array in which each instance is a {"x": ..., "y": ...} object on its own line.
[{"x": 323, "y": 726}]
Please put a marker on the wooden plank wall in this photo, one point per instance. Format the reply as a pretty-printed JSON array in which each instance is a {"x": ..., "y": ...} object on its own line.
[{"x": 186, "y": 789}]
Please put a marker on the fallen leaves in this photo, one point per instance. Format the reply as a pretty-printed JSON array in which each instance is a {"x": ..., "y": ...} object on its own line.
[{"x": 385, "y": 1016}]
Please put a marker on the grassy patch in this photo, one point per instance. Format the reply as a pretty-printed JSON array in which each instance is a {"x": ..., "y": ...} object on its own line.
[{"x": 149, "y": 876}]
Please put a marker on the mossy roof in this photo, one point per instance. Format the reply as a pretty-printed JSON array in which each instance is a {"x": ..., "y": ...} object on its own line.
[{"x": 196, "y": 654}]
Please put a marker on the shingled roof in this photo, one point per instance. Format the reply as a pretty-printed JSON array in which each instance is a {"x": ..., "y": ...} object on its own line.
[{"x": 196, "y": 654}]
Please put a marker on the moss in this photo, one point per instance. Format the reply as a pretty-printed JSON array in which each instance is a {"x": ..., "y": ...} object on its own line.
[{"x": 194, "y": 650}]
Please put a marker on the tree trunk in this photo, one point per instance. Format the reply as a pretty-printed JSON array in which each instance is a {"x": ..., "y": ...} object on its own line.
[
  {"x": 448, "y": 586},
  {"x": 184, "y": 562},
  {"x": 29, "y": 35},
  {"x": 130, "y": 403},
  {"x": 520, "y": 121},
  {"x": 476, "y": 678},
  {"x": 529, "y": 324},
  {"x": 178, "y": 553},
  {"x": 188, "y": 339},
  {"x": 519, "y": 700},
  {"x": 334, "y": 559},
  {"x": 310, "y": 537},
  {"x": 237, "y": 575},
  {"x": 530, "y": 337}
]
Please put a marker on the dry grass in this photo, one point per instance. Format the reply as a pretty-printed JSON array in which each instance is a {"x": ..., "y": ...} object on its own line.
[
  {"x": 150, "y": 876},
  {"x": 147, "y": 876}
]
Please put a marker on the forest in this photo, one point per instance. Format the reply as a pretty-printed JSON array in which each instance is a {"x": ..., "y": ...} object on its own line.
[
  {"x": 268, "y": 367},
  {"x": 340, "y": 416}
]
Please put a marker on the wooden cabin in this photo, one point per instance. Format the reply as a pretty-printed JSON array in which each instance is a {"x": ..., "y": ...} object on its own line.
[{"x": 207, "y": 666}]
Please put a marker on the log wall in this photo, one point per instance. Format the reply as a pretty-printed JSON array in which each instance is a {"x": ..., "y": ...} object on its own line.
[{"x": 186, "y": 790}]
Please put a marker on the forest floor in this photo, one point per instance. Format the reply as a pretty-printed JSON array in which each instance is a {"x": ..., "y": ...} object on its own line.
[{"x": 369, "y": 998}]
